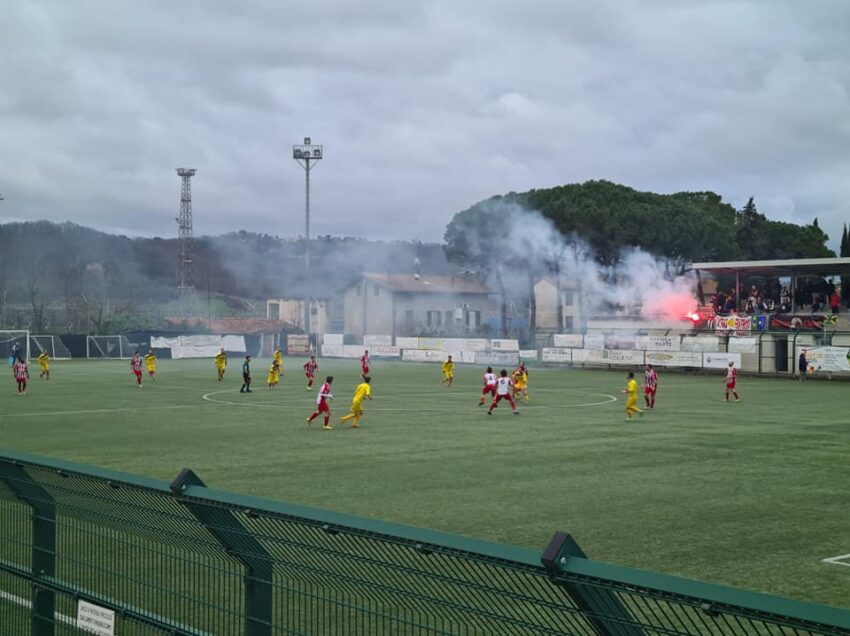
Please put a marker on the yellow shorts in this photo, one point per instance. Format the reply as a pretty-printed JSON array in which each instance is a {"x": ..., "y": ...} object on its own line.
[
  {"x": 631, "y": 401},
  {"x": 357, "y": 406},
  {"x": 151, "y": 369}
]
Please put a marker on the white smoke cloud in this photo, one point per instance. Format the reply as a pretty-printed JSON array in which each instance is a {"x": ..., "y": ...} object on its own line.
[{"x": 639, "y": 283}]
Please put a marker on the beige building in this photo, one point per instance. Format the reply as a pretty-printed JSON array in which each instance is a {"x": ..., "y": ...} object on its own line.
[
  {"x": 291, "y": 310},
  {"x": 546, "y": 296},
  {"x": 410, "y": 305}
]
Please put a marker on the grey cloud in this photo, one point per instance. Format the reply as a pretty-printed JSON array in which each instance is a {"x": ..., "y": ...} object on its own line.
[{"x": 424, "y": 108}]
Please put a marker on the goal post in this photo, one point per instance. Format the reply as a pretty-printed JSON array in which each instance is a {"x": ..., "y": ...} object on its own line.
[
  {"x": 108, "y": 347},
  {"x": 53, "y": 345},
  {"x": 12, "y": 341}
]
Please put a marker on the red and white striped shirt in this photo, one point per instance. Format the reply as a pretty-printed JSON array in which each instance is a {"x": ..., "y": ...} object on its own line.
[
  {"x": 731, "y": 374},
  {"x": 503, "y": 386},
  {"x": 136, "y": 363},
  {"x": 489, "y": 379},
  {"x": 20, "y": 370},
  {"x": 650, "y": 379},
  {"x": 311, "y": 367},
  {"x": 364, "y": 360},
  {"x": 324, "y": 394}
]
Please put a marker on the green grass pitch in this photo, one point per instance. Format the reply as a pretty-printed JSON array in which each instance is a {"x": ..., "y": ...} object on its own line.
[{"x": 750, "y": 494}]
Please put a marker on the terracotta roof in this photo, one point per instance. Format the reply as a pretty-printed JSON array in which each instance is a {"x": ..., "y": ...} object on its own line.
[
  {"x": 223, "y": 326},
  {"x": 429, "y": 284}
]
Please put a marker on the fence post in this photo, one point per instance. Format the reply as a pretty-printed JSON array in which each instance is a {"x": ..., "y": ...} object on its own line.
[
  {"x": 43, "y": 543},
  {"x": 239, "y": 543},
  {"x": 602, "y": 609}
]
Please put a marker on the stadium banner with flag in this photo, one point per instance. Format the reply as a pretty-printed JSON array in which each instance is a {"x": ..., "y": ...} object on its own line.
[
  {"x": 658, "y": 343},
  {"x": 743, "y": 345},
  {"x": 568, "y": 340},
  {"x": 831, "y": 359},
  {"x": 556, "y": 354},
  {"x": 720, "y": 360},
  {"x": 674, "y": 359}
]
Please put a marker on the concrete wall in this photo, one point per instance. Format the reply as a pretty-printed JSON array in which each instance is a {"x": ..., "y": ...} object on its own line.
[
  {"x": 547, "y": 306},
  {"x": 368, "y": 309}
]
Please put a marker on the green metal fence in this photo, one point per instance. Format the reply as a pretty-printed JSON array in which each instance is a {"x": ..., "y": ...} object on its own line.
[{"x": 183, "y": 559}]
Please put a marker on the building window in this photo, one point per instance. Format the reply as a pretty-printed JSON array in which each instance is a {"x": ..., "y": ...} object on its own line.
[
  {"x": 434, "y": 318},
  {"x": 473, "y": 318},
  {"x": 568, "y": 323},
  {"x": 449, "y": 318},
  {"x": 274, "y": 311},
  {"x": 568, "y": 299}
]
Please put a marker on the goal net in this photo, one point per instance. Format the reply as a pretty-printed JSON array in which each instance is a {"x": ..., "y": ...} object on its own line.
[
  {"x": 14, "y": 341},
  {"x": 52, "y": 345},
  {"x": 108, "y": 347}
]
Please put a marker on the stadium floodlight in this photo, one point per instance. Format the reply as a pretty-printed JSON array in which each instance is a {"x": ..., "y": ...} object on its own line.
[{"x": 304, "y": 154}]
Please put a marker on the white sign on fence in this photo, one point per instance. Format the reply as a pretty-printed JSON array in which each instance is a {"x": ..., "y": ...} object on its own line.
[
  {"x": 674, "y": 358},
  {"x": 608, "y": 356},
  {"x": 619, "y": 341},
  {"x": 528, "y": 354},
  {"x": 569, "y": 340},
  {"x": 496, "y": 357},
  {"x": 352, "y": 351},
  {"x": 504, "y": 345},
  {"x": 422, "y": 355},
  {"x": 430, "y": 343},
  {"x": 384, "y": 351},
  {"x": 465, "y": 344},
  {"x": 700, "y": 343},
  {"x": 95, "y": 619},
  {"x": 658, "y": 343},
  {"x": 832, "y": 359},
  {"x": 377, "y": 341},
  {"x": 333, "y": 339},
  {"x": 720, "y": 360},
  {"x": 406, "y": 343},
  {"x": 555, "y": 354},
  {"x": 594, "y": 341},
  {"x": 743, "y": 345},
  {"x": 332, "y": 350}
]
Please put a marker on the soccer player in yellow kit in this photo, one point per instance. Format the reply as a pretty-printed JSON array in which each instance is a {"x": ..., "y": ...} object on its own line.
[
  {"x": 150, "y": 364},
  {"x": 631, "y": 401},
  {"x": 363, "y": 392},
  {"x": 274, "y": 374},
  {"x": 278, "y": 358},
  {"x": 448, "y": 372},
  {"x": 44, "y": 364},
  {"x": 221, "y": 364},
  {"x": 520, "y": 378}
]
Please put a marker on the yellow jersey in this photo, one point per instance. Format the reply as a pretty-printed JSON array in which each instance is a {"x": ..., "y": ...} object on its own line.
[
  {"x": 363, "y": 391},
  {"x": 448, "y": 367},
  {"x": 278, "y": 357},
  {"x": 43, "y": 360},
  {"x": 221, "y": 360},
  {"x": 632, "y": 388},
  {"x": 150, "y": 360}
]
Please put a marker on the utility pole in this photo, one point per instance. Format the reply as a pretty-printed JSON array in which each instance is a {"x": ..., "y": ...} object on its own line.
[
  {"x": 304, "y": 154},
  {"x": 184, "y": 222}
]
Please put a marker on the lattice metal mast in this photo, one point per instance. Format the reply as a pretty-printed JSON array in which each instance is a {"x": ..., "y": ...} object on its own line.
[{"x": 184, "y": 222}]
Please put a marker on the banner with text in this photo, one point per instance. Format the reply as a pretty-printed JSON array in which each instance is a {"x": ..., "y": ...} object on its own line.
[
  {"x": 608, "y": 356},
  {"x": 568, "y": 340},
  {"x": 376, "y": 340},
  {"x": 555, "y": 354},
  {"x": 720, "y": 360},
  {"x": 674, "y": 358},
  {"x": 743, "y": 345},
  {"x": 831, "y": 359},
  {"x": 700, "y": 343},
  {"x": 658, "y": 343}
]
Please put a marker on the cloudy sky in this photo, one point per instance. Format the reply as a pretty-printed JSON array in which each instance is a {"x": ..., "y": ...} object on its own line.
[{"x": 424, "y": 108}]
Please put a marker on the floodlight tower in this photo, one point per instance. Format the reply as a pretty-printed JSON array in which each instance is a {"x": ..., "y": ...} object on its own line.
[
  {"x": 304, "y": 154},
  {"x": 184, "y": 222}
]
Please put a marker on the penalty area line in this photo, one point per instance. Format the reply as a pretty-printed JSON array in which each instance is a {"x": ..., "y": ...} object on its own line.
[{"x": 841, "y": 559}]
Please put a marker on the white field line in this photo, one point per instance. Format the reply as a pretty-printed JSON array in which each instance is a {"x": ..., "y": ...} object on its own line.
[
  {"x": 608, "y": 399},
  {"x": 83, "y": 412},
  {"x": 18, "y": 600},
  {"x": 841, "y": 559}
]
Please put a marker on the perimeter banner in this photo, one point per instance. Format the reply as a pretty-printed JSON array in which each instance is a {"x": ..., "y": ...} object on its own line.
[{"x": 832, "y": 359}]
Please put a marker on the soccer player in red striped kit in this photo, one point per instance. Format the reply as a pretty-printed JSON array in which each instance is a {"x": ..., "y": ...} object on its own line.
[
  {"x": 504, "y": 388},
  {"x": 310, "y": 368},
  {"x": 136, "y": 368},
  {"x": 650, "y": 386},
  {"x": 732, "y": 382},
  {"x": 322, "y": 405},
  {"x": 489, "y": 386},
  {"x": 21, "y": 373},
  {"x": 364, "y": 363}
]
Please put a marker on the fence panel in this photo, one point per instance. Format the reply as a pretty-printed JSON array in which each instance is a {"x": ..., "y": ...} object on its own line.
[{"x": 183, "y": 559}]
